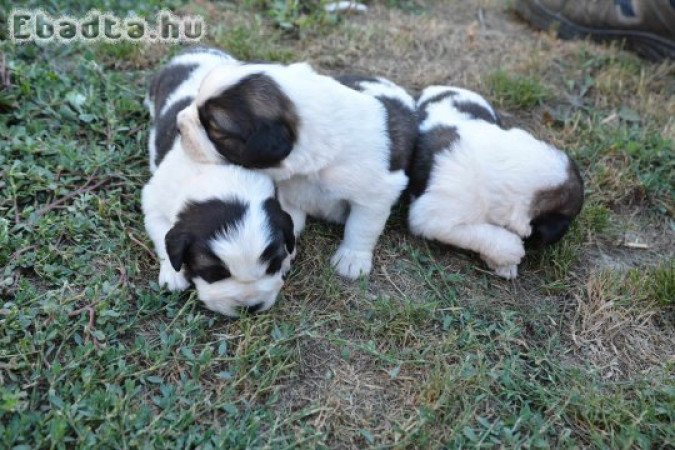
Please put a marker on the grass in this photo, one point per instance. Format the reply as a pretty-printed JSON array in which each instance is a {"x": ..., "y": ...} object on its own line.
[
  {"x": 516, "y": 91},
  {"x": 430, "y": 351}
]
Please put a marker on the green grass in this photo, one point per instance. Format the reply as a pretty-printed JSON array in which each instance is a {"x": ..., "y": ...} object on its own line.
[
  {"x": 431, "y": 351},
  {"x": 252, "y": 43},
  {"x": 517, "y": 91}
]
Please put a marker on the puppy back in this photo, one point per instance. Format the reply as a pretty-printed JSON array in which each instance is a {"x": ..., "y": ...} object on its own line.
[{"x": 401, "y": 115}]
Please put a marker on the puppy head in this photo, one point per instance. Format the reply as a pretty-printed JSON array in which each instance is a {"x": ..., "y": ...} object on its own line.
[
  {"x": 554, "y": 209},
  {"x": 242, "y": 117},
  {"x": 235, "y": 253}
]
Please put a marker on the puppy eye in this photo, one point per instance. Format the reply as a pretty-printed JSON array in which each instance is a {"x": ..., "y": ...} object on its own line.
[{"x": 213, "y": 274}]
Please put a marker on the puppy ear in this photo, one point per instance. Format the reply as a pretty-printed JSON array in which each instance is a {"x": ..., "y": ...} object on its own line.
[
  {"x": 193, "y": 137},
  {"x": 281, "y": 219},
  {"x": 177, "y": 243},
  {"x": 270, "y": 143},
  {"x": 549, "y": 228},
  {"x": 287, "y": 230}
]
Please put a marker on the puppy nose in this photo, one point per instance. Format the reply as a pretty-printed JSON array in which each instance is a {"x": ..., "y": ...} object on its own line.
[{"x": 252, "y": 309}]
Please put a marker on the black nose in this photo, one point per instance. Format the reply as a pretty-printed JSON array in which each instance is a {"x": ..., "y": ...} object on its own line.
[{"x": 252, "y": 309}]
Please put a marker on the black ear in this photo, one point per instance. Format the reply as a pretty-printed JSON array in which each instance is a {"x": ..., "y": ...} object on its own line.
[
  {"x": 287, "y": 229},
  {"x": 549, "y": 228},
  {"x": 177, "y": 243},
  {"x": 270, "y": 143},
  {"x": 281, "y": 219}
]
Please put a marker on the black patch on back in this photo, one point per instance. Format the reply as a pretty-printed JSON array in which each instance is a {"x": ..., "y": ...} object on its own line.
[
  {"x": 402, "y": 130},
  {"x": 354, "y": 81},
  {"x": 252, "y": 124},
  {"x": 166, "y": 82},
  {"x": 422, "y": 107},
  {"x": 282, "y": 241},
  {"x": 166, "y": 129},
  {"x": 476, "y": 111},
  {"x": 428, "y": 145},
  {"x": 401, "y": 122},
  {"x": 187, "y": 243}
]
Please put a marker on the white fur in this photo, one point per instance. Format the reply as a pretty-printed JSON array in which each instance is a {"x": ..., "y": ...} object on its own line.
[
  {"x": 481, "y": 187},
  {"x": 179, "y": 180},
  {"x": 341, "y": 156}
]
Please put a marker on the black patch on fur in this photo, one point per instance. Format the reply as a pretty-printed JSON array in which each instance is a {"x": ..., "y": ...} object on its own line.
[
  {"x": 354, "y": 81},
  {"x": 428, "y": 145},
  {"x": 554, "y": 209},
  {"x": 422, "y": 107},
  {"x": 252, "y": 124},
  {"x": 166, "y": 82},
  {"x": 476, "y": 111},
  {"x": 166, "y": 129},
  {"x": 187, "y": 243},
  {"x": 401, "y": 122},
  {"x": 282, "y": 241},
  {"x": 548, "y": 229},
  {"x": 402, "y": 130},
  {"x": 252, "y": 309}
]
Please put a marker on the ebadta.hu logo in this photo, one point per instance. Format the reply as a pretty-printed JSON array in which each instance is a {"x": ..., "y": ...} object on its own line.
[{"x": 39, "y": 26}]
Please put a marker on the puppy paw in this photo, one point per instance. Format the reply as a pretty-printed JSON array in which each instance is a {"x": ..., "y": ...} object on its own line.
[
  {"x": 350, "y": 263},
  {"x": 172, "y": 280},
  {"x": 523, "y": 230},
  {"x": 507, "y": 251},
  {"x": 507, "y": 272}
]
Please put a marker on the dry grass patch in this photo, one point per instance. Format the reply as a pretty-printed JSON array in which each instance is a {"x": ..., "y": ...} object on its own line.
[{"x": 623, "y": 324}]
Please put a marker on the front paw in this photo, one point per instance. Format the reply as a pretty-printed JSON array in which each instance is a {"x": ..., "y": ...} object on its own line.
[
  {"x": 523, "y": 230},
  {"x": 506, "y": 251},
  {"x": 508, "y": 272},
  {"x": 351, "y": 263},
  {"x": 172, "y": 280},
  {"x": 504, "y": 257}
]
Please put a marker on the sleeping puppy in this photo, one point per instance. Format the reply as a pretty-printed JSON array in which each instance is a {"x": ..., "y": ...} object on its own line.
[
  {"x": 479, "y": 187},
  {"x": 217, "y": 226},
  {"x": 326, "y": 145}
]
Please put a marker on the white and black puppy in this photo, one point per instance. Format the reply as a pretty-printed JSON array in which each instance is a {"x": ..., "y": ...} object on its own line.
[
  {"x": 217, "y": 226},
  {"x": 326, "y": 145},
  {"x": 480, "y": 187}
]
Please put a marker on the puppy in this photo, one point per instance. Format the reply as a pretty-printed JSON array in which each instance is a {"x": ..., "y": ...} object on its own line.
[
  {"x": 326, "y": 145},
  {"x": 217, "y": 226},
  {"x": 479, "y": 187}
]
